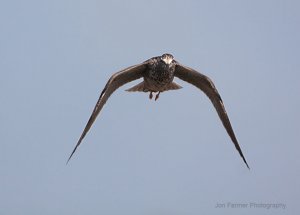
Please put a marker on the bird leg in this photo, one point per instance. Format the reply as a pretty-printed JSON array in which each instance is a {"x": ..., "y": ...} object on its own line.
[
  {"x": 157, "y": 95},
  {"x": 150, "y": 95}
]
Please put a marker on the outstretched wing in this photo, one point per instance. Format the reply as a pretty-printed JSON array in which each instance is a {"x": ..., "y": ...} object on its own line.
[
  {"x": 206, "y": 85},
  {"x": 116, "y": 81}
]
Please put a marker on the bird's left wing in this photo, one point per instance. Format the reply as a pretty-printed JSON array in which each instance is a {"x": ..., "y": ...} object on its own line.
[
  {"x": 117, "y": 80},
  {"x": 206, "y": 85}
]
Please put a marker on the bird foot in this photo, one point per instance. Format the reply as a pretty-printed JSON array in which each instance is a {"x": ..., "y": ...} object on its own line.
[
  {"x": 157, "y": 96},
  {"x": 150, "y": 95}
]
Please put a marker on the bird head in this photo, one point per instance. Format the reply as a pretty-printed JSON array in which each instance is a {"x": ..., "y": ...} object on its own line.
[{"x": 167, "y": 58}]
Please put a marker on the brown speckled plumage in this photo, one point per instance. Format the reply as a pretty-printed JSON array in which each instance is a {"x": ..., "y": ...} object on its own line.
[{"x": 158, "y": 74}]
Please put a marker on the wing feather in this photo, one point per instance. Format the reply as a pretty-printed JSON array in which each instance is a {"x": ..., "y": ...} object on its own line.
[
  {"x": 207, "y": 86},
  {"x": 117, "y": 80}
]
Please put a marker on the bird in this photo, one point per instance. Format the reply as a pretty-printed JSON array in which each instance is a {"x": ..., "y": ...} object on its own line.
[{"x": 158, "y": 76}]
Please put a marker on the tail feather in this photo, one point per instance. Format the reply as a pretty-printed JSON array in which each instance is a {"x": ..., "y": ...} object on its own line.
[
  {"x": 138, "y": 88},
  {"x": 174, "y": 86},
  {"x": 141, "y": 87}
]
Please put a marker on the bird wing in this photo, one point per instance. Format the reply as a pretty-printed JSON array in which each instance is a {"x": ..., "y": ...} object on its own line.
[
  {"x": 206, "y": 85},
  {"x": 117, "y": 80}
]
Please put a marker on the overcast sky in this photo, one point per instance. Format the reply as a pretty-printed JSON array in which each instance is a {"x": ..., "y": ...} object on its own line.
[{"x": 172, "y": 156}]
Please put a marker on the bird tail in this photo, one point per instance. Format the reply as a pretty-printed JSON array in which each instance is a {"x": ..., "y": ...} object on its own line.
[
  {"x": 138, "y": 88},
  {"x": 141, "y": 87},
  {"x": 173, "y": 86}
]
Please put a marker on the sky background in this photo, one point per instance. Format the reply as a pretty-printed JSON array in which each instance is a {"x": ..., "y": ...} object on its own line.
[{"x": 172, "y": 156}]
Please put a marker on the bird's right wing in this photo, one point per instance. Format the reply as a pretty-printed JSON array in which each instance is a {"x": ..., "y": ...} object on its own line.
[
  {"x": 117, "y": 80},
  {"x": 206, "y": 85}
]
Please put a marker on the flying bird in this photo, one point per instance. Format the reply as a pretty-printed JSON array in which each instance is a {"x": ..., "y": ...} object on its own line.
[{"x": 158, "y": 74}]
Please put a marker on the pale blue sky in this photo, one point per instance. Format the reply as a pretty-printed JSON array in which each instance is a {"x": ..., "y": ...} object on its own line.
[{"x": 172, "y": 156}]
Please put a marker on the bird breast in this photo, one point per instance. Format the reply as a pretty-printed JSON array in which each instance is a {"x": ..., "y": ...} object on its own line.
[{"x": 159, "y": 76}]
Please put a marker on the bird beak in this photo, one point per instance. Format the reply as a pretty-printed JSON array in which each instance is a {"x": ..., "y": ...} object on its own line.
[{"x": 167, "y": 60}]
